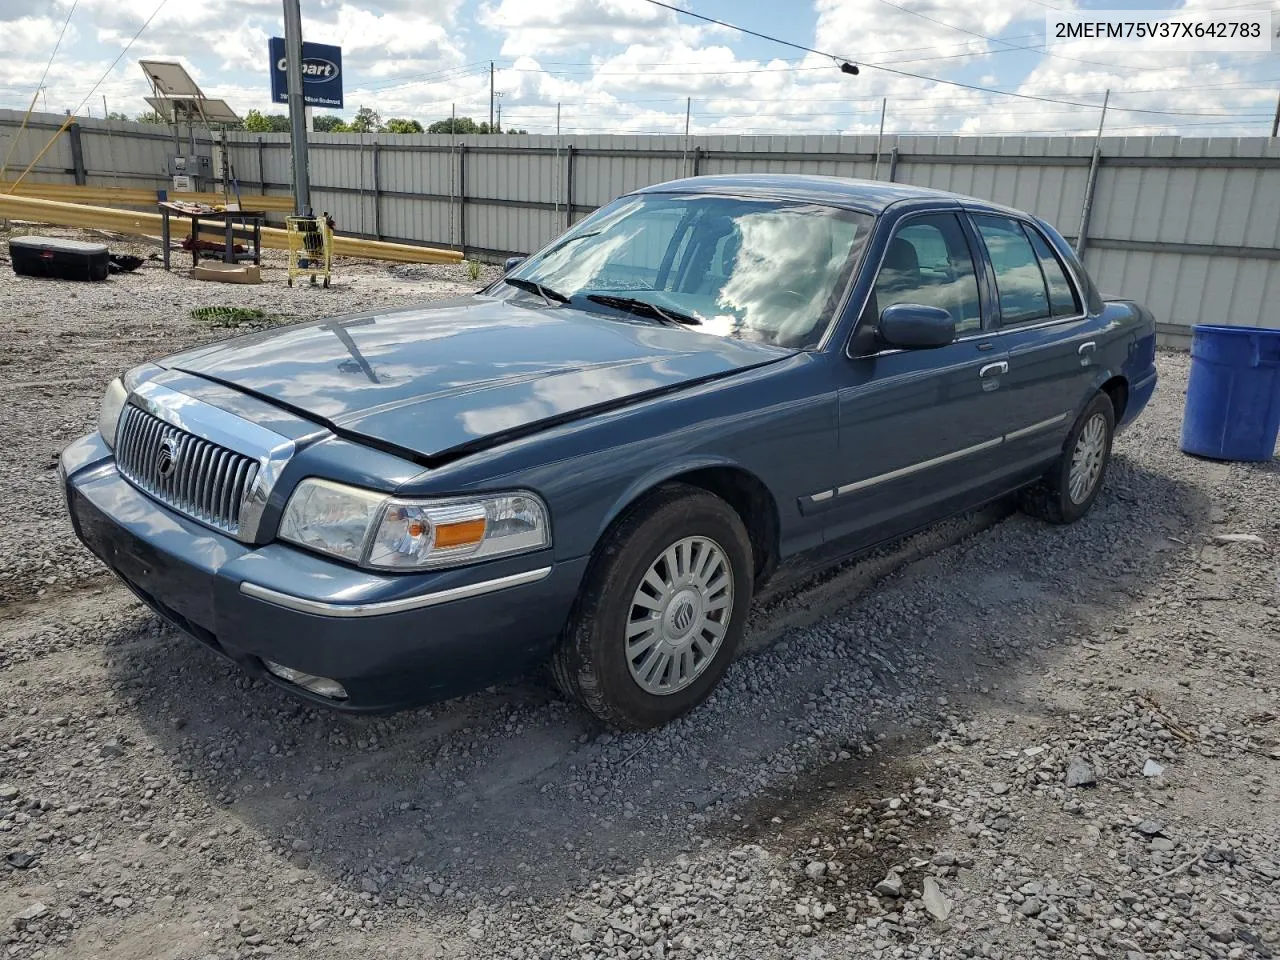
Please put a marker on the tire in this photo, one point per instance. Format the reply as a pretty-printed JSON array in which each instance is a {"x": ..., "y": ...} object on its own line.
[
  {"x": 1053, "y": 497},
  {"x": 683, "y": 660}
]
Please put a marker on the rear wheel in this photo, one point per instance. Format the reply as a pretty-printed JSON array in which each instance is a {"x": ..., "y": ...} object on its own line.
[
  {"x": 661, "y": 612},
  {"x": 1067, "y": 491}
]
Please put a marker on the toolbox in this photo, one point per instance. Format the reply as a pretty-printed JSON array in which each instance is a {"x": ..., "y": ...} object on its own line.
[{"x": 58, "y": 258}]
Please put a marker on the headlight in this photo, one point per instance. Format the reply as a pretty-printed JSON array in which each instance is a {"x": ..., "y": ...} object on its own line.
[
  {"x": 109, "y": 415},
  {"x": 391, "y": 533}
]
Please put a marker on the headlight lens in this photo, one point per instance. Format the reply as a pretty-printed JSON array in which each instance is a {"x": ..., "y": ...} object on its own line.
[
  {"x": 109, "y": 414},
  {"x": 331, "y": 517},
  {"x": 391, "y": 533}
]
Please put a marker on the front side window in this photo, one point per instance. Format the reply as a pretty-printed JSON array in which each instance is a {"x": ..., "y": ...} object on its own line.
[
  {"x": 1020, "y": 282},
  {"x": 928, "y": 262},
  {"x": 772, "y": 271}
]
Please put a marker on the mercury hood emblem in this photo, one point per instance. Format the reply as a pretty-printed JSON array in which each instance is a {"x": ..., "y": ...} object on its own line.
[{"x": 167, "y": 461}]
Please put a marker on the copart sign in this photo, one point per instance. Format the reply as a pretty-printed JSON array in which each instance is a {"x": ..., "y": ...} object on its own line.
[{"x": 321, "y": 74}]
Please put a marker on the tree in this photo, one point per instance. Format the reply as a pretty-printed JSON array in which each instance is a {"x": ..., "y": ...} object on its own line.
[
  {"x": 401, "y": 125},
  {"x": 329, "y": 123},
  {"x": 366, "y": 121},
  {"x": 460, "y": 125},
  {"x": 117, "y": 115},
  {"x": 257, "y": 122},
  {"x": 149, "y": 117}
]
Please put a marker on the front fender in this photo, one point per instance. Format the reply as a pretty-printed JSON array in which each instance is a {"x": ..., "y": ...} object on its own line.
[{"x": 659, "y": 475}]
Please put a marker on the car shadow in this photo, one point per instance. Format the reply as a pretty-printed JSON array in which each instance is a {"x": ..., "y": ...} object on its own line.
[{"x": 516, "y": 792}]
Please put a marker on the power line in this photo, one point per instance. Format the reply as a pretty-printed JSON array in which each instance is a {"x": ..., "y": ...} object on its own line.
[
  {"x": 875, "y": 66},
  {"x": 39, "y": 86},
  {"x": 1009, "y": 46},
  {"x": 61, "y": 32},
  {"x": 146, "y": 23}
]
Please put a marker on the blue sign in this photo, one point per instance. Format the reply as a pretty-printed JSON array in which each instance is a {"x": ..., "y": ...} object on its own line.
[{"x": 321, "y": 74}]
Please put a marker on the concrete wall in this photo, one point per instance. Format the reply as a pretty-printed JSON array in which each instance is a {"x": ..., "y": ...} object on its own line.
[{"x": 1191, "y": 227}]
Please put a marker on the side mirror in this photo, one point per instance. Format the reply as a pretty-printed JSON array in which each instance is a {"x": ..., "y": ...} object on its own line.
[
  {"x": 511, "y": 263},
  {"x": 914, "y": 326}
]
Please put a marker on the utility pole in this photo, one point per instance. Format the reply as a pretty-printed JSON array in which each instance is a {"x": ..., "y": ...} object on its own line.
[
  {"x": 499, "y": 127},
  {"x": 297, "y": 109},
  {"x": 491, "y": 96},
  {"x": 1275, "y": 124},
  {"x": 884, "y": 105},
  {"x": 1086, "y": 209},
  {"x": 688, "y": 110},
  {"x": 106, "y": 113},
  {"x": 453, "y": 118}
]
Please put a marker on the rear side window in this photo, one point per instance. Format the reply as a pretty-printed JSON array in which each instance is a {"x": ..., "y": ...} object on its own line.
[
  {"x": 1062, "y": 295},
  {"x": 929, "y": 262},
  {"x": 1020, "y": 282}
]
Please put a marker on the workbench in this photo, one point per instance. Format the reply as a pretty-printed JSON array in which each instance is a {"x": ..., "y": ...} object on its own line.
[{"x": 247, "y": 222}]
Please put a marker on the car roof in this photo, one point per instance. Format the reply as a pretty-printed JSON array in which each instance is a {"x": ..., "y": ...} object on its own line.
[{"x": 868, "y": 196}]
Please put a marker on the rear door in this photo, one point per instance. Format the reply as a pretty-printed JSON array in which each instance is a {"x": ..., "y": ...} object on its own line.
[
  {"x": 918, "y": 428},
  {"x": 1045, "y": 328}
]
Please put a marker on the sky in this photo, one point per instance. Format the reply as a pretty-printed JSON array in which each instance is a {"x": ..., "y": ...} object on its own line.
[{"x": 629, "y": 66}]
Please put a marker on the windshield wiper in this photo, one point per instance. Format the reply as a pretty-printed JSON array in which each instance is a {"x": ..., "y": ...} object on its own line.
[
  {"x": 644, "y": 308},
  {"x": 530, "y": 286},
  {"x": 574, "y": 239}
]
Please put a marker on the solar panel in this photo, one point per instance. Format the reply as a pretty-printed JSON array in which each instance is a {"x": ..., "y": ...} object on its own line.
[
  {"x": 219, "y": 111},
  {"x": 171, "y": 79},
  {"x": 189, "y": 108}
]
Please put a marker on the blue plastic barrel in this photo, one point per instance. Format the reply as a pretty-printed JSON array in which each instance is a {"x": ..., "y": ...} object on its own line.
[{"x": 1233, "y": 396}]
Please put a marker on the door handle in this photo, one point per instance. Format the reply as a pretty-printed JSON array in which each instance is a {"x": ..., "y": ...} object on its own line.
[
  {"x": 1086, "y": 352},
  {"x": 993, "y": 369}
]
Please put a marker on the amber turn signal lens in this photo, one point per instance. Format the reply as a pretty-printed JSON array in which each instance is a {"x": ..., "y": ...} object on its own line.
[{"x": 463, "y": 534}]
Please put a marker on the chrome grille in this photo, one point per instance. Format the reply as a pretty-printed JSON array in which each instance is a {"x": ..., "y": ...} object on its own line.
[{"x": 206, "y": 482}]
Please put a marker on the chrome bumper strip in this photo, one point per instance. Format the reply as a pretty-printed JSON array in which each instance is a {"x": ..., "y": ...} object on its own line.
[{"x": 325, "y": 609}]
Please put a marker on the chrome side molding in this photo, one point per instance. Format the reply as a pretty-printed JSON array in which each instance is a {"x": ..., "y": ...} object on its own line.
[{"x": 906, "y": 471}]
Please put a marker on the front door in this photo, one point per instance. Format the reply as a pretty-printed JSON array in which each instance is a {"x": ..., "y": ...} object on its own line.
[{"x": 919, "y": 429}]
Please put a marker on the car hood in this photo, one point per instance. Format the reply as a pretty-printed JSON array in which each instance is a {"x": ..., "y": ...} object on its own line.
[{"x": 459, "y": 372}]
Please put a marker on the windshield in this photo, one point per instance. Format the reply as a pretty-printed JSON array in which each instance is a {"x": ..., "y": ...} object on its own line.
[{"x": 771, "y": 271}]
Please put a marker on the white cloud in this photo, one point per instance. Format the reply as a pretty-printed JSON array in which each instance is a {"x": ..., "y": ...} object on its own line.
[
  {"x": 627, "y": 65},
  {"x": 531, "y": 28}
]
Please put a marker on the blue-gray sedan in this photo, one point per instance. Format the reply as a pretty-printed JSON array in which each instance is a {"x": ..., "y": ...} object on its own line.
[{"x": 598, "y": 460}]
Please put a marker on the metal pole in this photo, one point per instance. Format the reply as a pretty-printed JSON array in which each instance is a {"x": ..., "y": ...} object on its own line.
[
  {"x": 377, "y": 191},
  {"x": 106, "y": 113},
  {"x": 1275, "y": 124},
  {"x": 684, "y": 159},
  {"x": 462, "y": 198},
  {"x": 77, "y": 153},
  {"x": 884, "y": 104},
  {"x": 491, "y": 96},
  {"x": 558, "y": 120},
  {"x": 453, "y": 118},
  {"x": 1087, "y": 207},
  {"x": 297, "y": 109},
  {"x": 499, "y": 127},
  {"x": 568, "y": 187}
]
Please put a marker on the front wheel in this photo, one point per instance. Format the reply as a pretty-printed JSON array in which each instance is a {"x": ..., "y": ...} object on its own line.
[
  {"x": 661, "y": 612},
  {"x": 1067, "y": 491}
]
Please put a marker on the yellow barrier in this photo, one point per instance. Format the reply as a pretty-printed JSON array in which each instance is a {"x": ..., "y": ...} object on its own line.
[
  {"x": 138, "y": 196},
  {"x": 18, "y": 207}
]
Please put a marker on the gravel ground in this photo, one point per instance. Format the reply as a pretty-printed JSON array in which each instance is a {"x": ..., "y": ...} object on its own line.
[{"x": 1024, "y": 741}]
